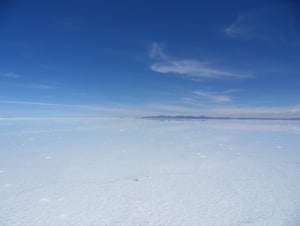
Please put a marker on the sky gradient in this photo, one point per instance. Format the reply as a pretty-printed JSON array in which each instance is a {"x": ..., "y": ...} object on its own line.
[{"x": 130, "y": 58}]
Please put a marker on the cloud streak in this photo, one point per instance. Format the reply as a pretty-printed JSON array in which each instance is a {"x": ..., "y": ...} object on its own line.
[
  {"x": 10, "y": 75},
  {"x": 15, "y": 79},
  {"x": 28, "y": 103},
  {"x": 38, "y": 86},
  {"x": 212, "y": 96},
  {"x": 41, "y": 86},
  {"x": 188, "y": 68}
]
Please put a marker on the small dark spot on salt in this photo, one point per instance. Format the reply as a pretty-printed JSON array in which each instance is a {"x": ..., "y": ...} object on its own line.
[{"x": 135, "y": 179}]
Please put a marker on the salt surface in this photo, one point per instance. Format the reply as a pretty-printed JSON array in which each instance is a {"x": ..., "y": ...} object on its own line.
[{"x": 91, "y": 172}]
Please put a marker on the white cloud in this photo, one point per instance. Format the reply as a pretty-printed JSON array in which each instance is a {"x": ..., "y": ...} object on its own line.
[
  {"x": 11, "y": 75},
  {"x": 212, "y": 96},
  {"x": 192, "y": 69}
]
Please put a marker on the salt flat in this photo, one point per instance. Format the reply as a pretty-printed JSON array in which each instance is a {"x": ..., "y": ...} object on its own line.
[{"x": 147, "y": 172}]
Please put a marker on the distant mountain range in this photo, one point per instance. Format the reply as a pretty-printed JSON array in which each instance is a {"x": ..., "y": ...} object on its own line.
[{"x": 203, "y": 117}]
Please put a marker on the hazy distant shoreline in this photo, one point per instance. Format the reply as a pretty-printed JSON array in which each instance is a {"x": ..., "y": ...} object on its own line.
[{"x": 184, "y": 117}]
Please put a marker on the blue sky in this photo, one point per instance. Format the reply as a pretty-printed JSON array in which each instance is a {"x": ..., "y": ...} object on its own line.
[{"x": 95, "y": 58}]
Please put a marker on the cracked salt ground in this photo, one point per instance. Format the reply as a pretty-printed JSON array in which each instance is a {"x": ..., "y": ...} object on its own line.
[
  {"x": 152, "y": 174},
  {"x": 201, "y": 155},
  {"x": 7, "y": 185},
  {"x": 62, "y": 216},
  {"x": 45, "y": 200}
]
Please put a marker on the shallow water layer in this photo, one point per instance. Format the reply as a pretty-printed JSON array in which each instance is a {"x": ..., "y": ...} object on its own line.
[{"x": 147, "y": 172}]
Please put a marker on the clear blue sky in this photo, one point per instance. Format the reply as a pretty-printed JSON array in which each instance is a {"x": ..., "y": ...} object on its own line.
[{"x": 149, "y": 57}]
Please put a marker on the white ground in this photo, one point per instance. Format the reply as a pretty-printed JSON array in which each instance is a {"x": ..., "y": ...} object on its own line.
[{"x": 142, "y": 172}]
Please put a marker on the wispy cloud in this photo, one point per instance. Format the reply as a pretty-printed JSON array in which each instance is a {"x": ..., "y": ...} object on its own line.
[
  {"x": 11, "y": 75},
  {"x": 17, "y": 80},
  {"x": 271, "y": 24},
  {"x": 252, "y": 25},
  {"x": 157, "y": 52},
  {"x": 189, "y": 68},
  {"x": 213, "y": 96},
  {"x": 241, "y": 27},
  {"x": 26, "y": 85},
  {"x": 38, "y": 86},
  {"x": 28, "y": 103}
]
